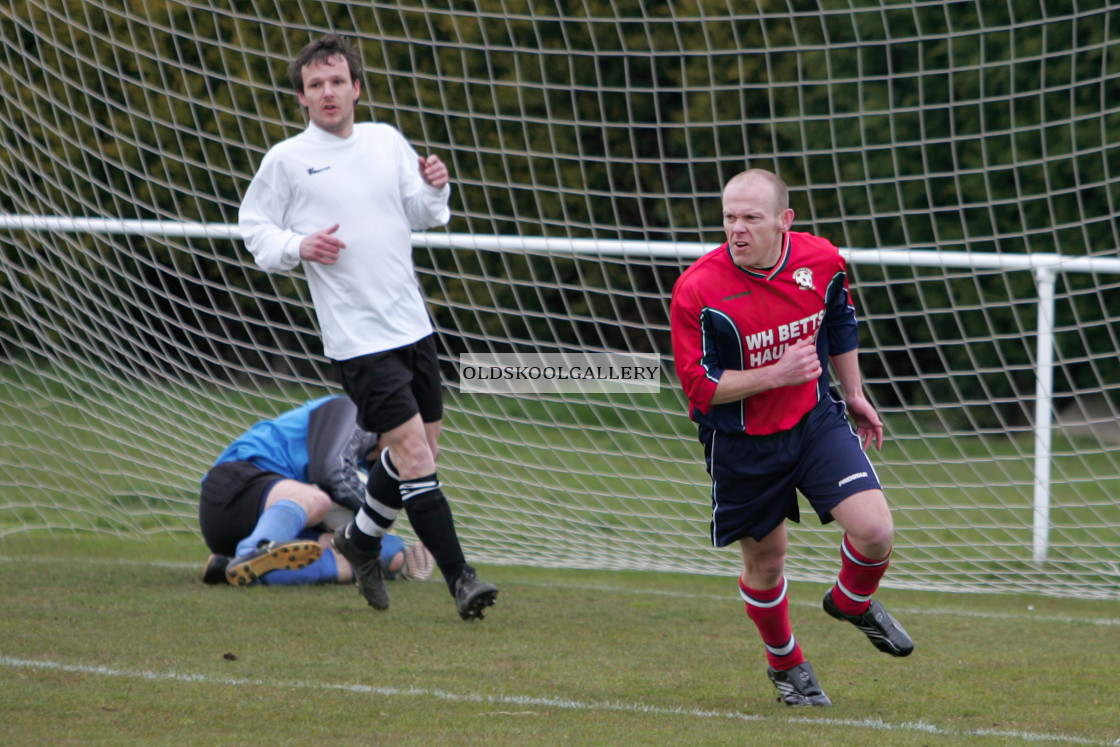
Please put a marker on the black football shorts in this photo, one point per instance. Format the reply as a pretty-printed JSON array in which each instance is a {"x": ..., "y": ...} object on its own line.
[
  {"x": 232, "y": 498},
  {"x": 391, "y": 387}
]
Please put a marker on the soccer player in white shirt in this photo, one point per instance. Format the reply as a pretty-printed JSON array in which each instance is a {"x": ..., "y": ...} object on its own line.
[{"x": 343, "y": 198}]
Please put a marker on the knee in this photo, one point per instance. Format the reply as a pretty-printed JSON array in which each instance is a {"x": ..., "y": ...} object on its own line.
[
  {"x": 314, "y": 501},
  {"x": 395, "y": 563},
  {"x": 412, "y": 458},
  {"x": 764, "y": 572},
  {"x": 873, "y": 541},
  {"x": 317, "y": 504},
  {"x": 867, "y": 521}
]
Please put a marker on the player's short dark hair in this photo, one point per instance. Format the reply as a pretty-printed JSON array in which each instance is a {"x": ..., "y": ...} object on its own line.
[{"x": 324, "y": 50}]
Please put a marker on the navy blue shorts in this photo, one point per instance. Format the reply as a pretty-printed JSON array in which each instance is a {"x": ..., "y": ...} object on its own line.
[
  {"x": 391, "y": 387},
  {"x": 755, "y": 479}
]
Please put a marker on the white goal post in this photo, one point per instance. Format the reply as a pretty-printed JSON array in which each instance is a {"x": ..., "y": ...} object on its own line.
[{"x": 975, "y": 147}]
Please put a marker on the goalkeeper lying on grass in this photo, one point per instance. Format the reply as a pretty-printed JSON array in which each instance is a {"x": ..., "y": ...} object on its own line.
[{"x": 273, "y": 497}]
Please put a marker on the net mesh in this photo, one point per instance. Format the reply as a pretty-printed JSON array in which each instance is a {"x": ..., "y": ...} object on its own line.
[{"x": 138, "y": 338}]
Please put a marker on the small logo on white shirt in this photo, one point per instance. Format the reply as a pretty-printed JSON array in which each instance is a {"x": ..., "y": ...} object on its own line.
[{"x": 312, "y": 171}]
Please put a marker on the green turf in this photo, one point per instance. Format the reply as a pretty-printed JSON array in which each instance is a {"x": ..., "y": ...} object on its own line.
[
  {"x": 113, "y": 642},
  {"x": 108, "y": 637}
]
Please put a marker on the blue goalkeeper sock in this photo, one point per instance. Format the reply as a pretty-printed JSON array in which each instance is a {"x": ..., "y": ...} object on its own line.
[
  {"x": 391, "y": 544},
  {"x": 322, "y": 571},
  {"x": 280, "y": 522}
]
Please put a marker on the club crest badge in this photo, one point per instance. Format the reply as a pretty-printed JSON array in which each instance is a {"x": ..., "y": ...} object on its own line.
[{"x": 803, "y": 276}]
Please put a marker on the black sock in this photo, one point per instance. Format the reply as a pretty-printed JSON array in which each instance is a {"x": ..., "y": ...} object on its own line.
[
  {"x": 381, "y": 506},
  {"x": 430, "y": 517},
  {"x": 383, "y": 485}
]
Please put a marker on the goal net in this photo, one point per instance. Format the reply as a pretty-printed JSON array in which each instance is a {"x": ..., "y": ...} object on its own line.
[{"x": 965, "y": 156}]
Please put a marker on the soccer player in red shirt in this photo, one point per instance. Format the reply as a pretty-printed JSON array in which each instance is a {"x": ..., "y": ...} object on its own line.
[{"x": 755, "y": 324}]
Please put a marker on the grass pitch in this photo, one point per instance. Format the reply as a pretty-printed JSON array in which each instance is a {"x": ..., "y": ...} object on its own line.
[{"x": 118, "y": 642}]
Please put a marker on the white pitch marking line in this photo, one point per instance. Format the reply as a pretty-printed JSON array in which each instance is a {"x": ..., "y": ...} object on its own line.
[{"x": 875, "y": 724}]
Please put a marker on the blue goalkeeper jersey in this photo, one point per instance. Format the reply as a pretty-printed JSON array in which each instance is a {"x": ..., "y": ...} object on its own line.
[{"x": 278, "y": 445}]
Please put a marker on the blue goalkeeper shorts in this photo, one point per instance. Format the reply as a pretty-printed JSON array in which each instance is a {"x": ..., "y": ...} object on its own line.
[{"x": 755, "y": 479}]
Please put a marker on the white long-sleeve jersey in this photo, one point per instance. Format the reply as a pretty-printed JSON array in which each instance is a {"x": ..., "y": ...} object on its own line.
[{"x": 370, "y": 185}]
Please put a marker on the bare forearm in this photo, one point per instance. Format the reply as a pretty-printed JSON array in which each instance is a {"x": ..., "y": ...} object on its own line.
[
  {"x": 798, "y": 365},
  {"x": 848, "y": 374},
  {"x": 737, "y": 385}
]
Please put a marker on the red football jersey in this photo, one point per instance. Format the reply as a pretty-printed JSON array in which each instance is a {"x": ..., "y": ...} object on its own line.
[{"x": 726, "y": 317}]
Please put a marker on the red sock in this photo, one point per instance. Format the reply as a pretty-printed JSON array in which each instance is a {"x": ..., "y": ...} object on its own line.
[
  {"x": 769, "y": 610},
  {"x": 859, "y": 578}
]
